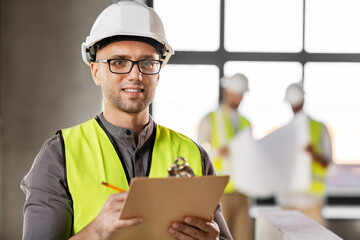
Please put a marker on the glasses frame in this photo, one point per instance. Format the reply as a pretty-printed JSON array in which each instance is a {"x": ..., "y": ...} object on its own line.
[{"x": 132, "y": 64}]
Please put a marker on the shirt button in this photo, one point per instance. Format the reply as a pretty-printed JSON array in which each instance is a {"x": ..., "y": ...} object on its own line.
[{"x": 128, "y": 132}]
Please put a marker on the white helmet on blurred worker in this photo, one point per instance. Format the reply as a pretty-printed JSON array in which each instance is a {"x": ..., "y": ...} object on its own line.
[
  {"x": 127, "y": 20},
  {"x": 294, "y": 94},
  {"x": 237, "y": 84}
]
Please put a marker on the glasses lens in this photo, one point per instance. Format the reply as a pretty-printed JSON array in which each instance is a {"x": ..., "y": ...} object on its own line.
[
  {"x": 145, "y": 66},
  {"x": 149, "y": 66},
  {"x": 120, "y": 65}
]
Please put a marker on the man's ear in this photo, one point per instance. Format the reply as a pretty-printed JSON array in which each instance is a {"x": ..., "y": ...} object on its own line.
[{"x": 95, "y": 73}]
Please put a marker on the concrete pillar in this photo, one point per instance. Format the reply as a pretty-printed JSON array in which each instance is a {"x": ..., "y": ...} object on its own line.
[{"x": 44, "y": 86}]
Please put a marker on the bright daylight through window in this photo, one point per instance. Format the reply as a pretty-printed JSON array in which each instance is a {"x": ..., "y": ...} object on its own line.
[
  {"x": 264, "y": 103},
  {"x": 273, "y": 27},
  {"x": 184, "y": 95},
  {"x": 337, "y": 30},
  {"x": 260, "y": 25},
  {"x": 197, "y": 30}
]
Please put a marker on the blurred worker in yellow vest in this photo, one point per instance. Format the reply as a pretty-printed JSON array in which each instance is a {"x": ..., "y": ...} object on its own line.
[
  {"x": 319, "y": 148},
  {"x": 215, "y": 132}
]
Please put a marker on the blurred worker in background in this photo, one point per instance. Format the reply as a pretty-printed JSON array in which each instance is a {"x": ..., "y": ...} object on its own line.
[
  {"x": 318, "y": 146},
  {"x": 215, "y": 132}
]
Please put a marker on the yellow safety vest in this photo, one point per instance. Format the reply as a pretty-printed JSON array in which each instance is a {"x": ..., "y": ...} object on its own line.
[
  {"x": 318, "y": 172},
  {"x": 91, "y": 157},
  {"x": 229, "y": 133}
]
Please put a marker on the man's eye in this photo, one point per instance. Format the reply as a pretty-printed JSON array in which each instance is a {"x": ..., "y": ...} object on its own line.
[
  {"x": 118, "y": 63},
  {"x": 147, "y": 63}
]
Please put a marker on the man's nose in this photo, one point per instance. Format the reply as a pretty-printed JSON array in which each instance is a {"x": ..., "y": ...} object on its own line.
[{"x": 135, "y": 74}]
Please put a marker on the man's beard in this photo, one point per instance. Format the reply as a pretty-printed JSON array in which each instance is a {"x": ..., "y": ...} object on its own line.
[{"x": 130, "y": 105}]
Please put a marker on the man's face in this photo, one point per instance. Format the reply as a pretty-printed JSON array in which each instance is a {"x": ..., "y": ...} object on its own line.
[
  {"x": 297, "y": 107},
  {"x": 232, "y": 100},
  {"x": 132, "y": 92}
]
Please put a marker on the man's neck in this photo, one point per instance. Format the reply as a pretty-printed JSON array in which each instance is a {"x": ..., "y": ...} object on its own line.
[{"x": 134, "y": 121}]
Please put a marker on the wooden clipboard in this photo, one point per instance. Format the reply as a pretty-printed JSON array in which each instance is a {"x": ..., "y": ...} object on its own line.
[{"x": 160, "y": 201}]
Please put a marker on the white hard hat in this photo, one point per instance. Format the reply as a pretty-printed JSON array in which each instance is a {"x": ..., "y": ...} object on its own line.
[
  {"x": 127, "y": 18},
  {"x": 294, "y": 94},
  {"x": 237, "y": 84}
]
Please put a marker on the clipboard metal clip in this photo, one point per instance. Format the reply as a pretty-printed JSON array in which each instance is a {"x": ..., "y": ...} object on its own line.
[{"x": 180, "y": 168}]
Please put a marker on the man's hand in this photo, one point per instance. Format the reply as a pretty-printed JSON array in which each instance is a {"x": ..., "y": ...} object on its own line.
[
  {"x": 195, "y": 228},
  {"x": 318, "y": 158},
  {"x": 107, "y": 221},
  {"x": 309, "y": 149},
  {"x": 223, "y": 151}
]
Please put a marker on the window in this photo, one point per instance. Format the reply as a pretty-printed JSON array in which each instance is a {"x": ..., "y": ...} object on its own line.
[
  {"x": 184, "y": 95},
  {"x": 274, "y": 43},
  {"x": 188, "y": 26},
  {"x": 264, "y": 104},
  {"x": 263, "y": 25},
  {"x": 332, "y": 26}
]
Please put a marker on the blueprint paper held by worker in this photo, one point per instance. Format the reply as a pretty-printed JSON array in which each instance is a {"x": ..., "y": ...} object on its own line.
[
  {"x": 251, "y": 172},
  {"x": 163, "y": 200},
  {"x": 272, "y": 164}
]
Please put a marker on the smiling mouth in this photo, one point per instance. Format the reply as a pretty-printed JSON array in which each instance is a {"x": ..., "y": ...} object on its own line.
[{"x": 131, "y": 90}]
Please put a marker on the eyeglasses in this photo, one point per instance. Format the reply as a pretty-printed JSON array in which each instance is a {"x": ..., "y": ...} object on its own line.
[{"x": 123, "y": 66}]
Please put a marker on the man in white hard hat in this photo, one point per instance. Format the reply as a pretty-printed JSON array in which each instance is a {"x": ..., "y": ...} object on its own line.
[
  {"x": 125, "y": 50},
  {"x": 215, "y": 132},
  {"x": 317, "y": 143}
]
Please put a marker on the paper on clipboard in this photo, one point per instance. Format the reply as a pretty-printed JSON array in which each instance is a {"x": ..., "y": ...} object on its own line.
[{"x": 160, "y": 201}]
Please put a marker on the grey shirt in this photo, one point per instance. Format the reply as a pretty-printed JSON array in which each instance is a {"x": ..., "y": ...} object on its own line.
[{"x": 48, "y": 212}]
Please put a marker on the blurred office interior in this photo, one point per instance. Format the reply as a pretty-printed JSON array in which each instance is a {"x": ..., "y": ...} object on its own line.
[{"x": 45, "y": 86}]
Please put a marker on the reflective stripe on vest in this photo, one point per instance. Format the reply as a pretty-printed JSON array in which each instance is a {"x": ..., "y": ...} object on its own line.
[
  {"x": 91, "y": 158},
  {"x": 224, "y": 124},
  {"x": 318, "y": 172}
]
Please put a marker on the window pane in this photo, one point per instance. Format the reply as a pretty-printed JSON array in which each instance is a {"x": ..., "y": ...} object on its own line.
[
  {"x": 190, "y": 25},
  {"x": 185, "y": 94},
  {"x": 332, "y": 26},
  {"x": 332, "y": 96},
  {"x": 263, "y": 25},
  {"x": 264, "y": 103}
]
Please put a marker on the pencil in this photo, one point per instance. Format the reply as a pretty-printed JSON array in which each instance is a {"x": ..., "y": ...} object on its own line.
[{"x": 112, "y": 186}]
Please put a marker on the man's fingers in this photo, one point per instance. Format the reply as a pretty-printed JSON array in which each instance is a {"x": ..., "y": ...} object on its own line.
[
  {"x": 177, "y": 231},
  {"x": 115, "y": 201},
  {"x": 184, "y": 232},
  {"x": 122, "y": 223},
  {"x": 194, "y": 228},
  {"x": 205, "y": 226},
  {"x": 118, "y": 196}
]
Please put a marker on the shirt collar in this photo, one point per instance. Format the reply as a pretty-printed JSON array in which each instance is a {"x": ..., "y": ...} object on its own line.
[{"x": 126, "y": 132}]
